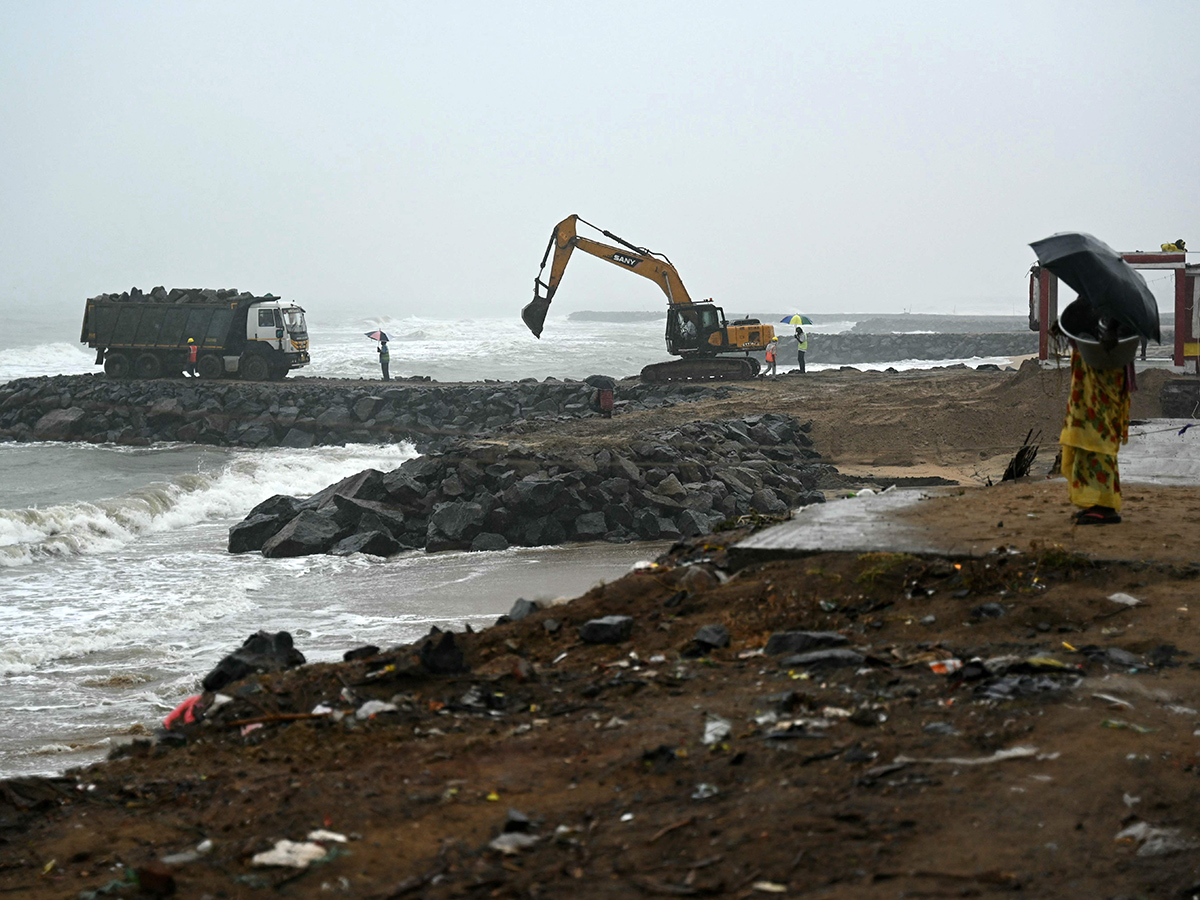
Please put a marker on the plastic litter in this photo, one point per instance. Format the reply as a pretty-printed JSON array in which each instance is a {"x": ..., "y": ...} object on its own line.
[
  {"x": 998, "y": 756},
  {"x": 1116, "y": 701},
  {"x": 296, "y": 855},
  {"x": 321, "y": 834},
  {"x": 513, "y": 842},
  {"x": 704, "y": 790},
  {"x": 1156, "y": 841},
  {"x": 188, "y": 856},
  {"x": 946, "y": 666},
  {"x": 253, "y": 726},
  {"x": 183, "y": 714},
  {"x": 1124, "y": 599},
  {"x": 716, "y": 730},
  {"x": 770, "y": 887},
  {"x": 373, "y": 708}
]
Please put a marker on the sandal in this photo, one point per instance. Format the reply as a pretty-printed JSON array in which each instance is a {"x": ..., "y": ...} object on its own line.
[{"x": 1098, "y": 515}]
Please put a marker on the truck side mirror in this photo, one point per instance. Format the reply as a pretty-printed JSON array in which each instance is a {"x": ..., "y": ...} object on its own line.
[{"x": 278, "y": 332}]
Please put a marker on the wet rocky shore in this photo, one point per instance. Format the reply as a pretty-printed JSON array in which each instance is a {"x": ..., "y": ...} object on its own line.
[
  {"x": 659, "y": 485},
  {"x": 301, "y": 412}
]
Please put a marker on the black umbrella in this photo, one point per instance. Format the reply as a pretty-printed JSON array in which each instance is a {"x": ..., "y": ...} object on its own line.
[{"x": 1101, "y": 277}]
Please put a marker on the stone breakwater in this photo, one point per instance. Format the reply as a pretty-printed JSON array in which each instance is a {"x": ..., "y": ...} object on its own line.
[
  {"x": 661, "y": 485},
  {"x": 300, "y": 413}
]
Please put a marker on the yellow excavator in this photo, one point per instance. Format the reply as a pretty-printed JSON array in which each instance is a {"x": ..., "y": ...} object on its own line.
[{"x": 696, "y": 331}]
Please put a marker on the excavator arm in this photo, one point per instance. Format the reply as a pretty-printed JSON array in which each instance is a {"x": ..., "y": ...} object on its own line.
[{"x": 564, "y": 240}]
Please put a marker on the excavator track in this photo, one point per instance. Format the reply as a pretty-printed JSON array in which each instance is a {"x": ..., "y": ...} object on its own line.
[{"x": 741, "y": 368}]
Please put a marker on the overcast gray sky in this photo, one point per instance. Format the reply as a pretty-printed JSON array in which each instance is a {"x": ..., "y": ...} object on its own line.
[{"x": 411, "y": 158}]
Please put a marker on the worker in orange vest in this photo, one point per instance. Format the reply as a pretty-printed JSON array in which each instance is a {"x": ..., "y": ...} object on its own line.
[
  {"x": 192, "y": 350},
  {"x": 772, "y": 348}
]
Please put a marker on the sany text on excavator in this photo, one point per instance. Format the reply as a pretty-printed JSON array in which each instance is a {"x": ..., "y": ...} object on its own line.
[{"x": 697, "y": 332}]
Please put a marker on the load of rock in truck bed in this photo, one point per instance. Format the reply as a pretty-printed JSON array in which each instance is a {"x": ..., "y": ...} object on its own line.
[{"x": 180, "y": 295}]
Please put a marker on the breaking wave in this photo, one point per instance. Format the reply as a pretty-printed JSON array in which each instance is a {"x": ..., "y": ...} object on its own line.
[
  {"x": 59, "y": 358},
  {"x": 246, "y": 479}
]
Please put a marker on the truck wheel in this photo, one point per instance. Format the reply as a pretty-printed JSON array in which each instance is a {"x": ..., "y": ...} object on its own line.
[
  {"x": 210, "y": 366},
  {"x": 255, "y": 368},
  {"x": 148, "y": 365},
  {"x": 116, "y": 365}
]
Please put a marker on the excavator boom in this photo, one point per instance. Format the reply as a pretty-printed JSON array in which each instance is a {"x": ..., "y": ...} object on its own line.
[
  {"x": 564, "y": 240},
  {"x": 696, "y": 331}
]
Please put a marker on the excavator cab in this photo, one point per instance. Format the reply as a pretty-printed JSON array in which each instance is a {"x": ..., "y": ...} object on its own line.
[{"x": 692, "y": 327}]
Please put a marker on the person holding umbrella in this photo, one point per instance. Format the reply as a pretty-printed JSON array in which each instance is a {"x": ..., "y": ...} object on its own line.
[
  {"x": 384, "y": 356},
  {"x": 1104, "y": 325},
  {"x": 801, "y": 338}
]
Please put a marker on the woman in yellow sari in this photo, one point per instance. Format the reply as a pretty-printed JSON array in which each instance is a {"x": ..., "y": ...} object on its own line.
[{"x": 1096, "y": 426}]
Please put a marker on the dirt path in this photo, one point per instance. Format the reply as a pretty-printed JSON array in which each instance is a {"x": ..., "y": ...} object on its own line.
[{"x": 959, "y": 424}]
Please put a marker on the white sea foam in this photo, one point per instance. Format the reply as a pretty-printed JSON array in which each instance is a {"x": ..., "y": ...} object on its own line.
[
  {"x": 59, "y": 358},
  {"x": 73, "y": 529}
]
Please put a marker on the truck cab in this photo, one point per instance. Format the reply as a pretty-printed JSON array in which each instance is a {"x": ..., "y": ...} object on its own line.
[{"x": 278, "y": 328}]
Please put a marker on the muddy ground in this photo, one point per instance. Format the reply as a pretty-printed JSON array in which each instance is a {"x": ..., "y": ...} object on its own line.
[{"x": 1073, "y": 720}]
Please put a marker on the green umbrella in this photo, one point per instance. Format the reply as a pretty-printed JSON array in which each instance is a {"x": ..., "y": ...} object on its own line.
[{"x": 796, "y": 320}]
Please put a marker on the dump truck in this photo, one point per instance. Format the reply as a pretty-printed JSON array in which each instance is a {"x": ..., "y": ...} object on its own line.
[{"x": 145, "y": 335}]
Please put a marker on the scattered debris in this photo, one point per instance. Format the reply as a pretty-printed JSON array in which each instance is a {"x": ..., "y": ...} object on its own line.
[
  {"x": 296, "y": 855},
  {"x": 261, "y": 652},
  {"x": 373, "y": 708},
  {"x": 513, "y": 842},
  {"x": 1124, "y": 599},
  {"x": 998, "y": 756},
  {"x": 716, "y": 730},
  {"x": 606, "y": 630},
  {"x": 800, "y": 641},
  {"x": 1153, "y": 841}
]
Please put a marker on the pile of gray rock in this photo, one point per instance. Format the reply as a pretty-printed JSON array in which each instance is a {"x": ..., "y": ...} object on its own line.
[
  {"x": 180, "y": 295},
  {"x": 662, "y": 485},
  {"x": 301, "y": 412}
]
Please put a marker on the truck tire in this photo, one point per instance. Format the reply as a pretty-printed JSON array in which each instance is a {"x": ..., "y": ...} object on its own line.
[
  {"x": 116, "y": 365},
  {"x": 210, "y": 366},
  {"x": 148, "y": 365},
  {"x": 255, "y": 368}
]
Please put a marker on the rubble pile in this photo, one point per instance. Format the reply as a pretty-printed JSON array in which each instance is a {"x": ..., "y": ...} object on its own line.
[{"x": 663, "y": 485}]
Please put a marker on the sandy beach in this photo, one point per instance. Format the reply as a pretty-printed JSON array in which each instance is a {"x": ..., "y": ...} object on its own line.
[{"x": 992, "y": 722}]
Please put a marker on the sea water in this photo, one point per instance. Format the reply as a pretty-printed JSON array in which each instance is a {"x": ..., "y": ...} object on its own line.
[{"x": 117, "y": 594}]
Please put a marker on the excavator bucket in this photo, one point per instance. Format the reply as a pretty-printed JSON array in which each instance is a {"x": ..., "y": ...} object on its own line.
[{"x": 534, "y": 313}]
